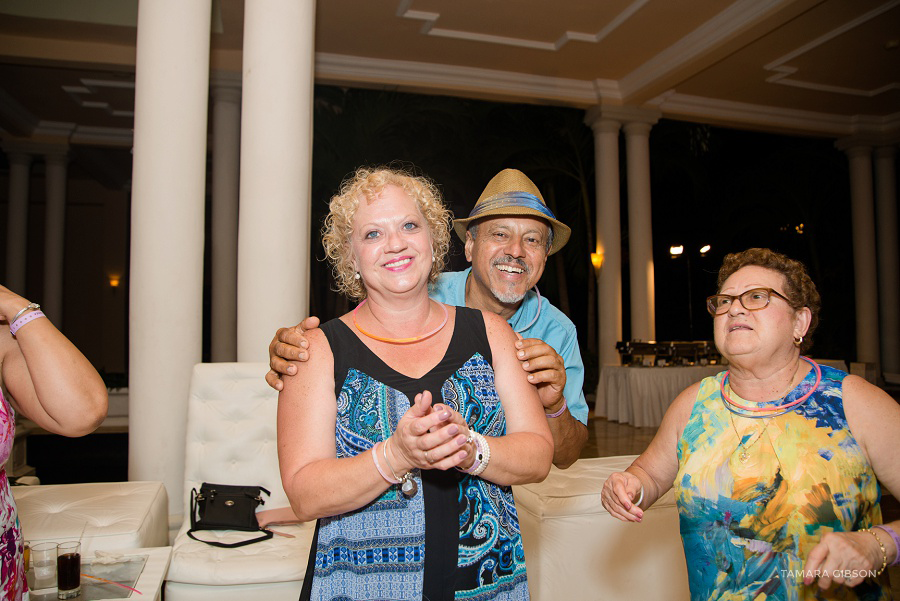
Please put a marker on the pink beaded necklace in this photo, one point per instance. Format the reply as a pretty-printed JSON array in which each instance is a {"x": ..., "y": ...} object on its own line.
[{"x": 776, "y": 408}]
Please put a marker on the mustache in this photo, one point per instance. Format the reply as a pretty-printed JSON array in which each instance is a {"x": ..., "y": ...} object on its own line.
[{"x": 511, "y": 259}]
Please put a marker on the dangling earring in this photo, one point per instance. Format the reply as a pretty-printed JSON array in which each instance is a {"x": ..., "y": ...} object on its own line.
[
  {"x": 356, "y": 276},
  {"x": 798, "y": 341}
]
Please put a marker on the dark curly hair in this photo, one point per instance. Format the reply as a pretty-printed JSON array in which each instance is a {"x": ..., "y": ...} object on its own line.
[{"x": 799, "y": 287}]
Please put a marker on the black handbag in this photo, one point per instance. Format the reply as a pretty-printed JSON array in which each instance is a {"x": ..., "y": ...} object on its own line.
[{"x": 227, "y": 507}]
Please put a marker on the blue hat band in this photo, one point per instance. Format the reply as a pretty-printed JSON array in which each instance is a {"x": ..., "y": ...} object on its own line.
[{"x": 512, "y": 199}]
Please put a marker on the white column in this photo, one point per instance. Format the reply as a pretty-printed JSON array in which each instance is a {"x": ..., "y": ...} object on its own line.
[
  {"x": 54, "y": 236},
  {"x": 609, "y": 237},
  {"x": 167, "y": 212},
  {"x": 640, "y": 231},
  {"x": 226, "y": 154},
  {"x": 864, "y": 270},
  {"x": 17, "y": 224},
  {"x": 276, "y": 165},
  {"x": 888, "y": 258}
]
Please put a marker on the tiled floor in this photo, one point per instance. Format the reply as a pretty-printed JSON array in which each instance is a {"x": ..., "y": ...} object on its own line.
[{"x": 607, "y": 439}]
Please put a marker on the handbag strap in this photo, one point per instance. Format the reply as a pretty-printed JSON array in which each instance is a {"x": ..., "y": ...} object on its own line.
[
  {"x": 193, "y": 508},
  {"x": 267, "y": 534}
]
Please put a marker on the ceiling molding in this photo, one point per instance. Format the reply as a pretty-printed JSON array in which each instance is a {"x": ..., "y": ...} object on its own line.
[
  {"x": 446, "y": 79},
  {"x": 103, "y": 136},
  {"x": 54, "y": 129},
  {"x": 719, "y": 30},
  {"x": 783, "y": 72},
  {"x": 32, "y": 147},
  {"x": 430, "y": 20},
  {"x": 740, "y": 114},
  {"x": 91, "y": 87}
]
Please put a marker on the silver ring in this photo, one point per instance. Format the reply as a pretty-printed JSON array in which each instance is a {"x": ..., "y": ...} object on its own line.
[{"x": 427, "y": 458}]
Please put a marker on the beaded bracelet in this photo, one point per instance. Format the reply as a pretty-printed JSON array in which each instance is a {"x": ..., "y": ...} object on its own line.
[
  {"x": 883, "y": 551},
  {"x": 14, "y": 327},
  {"x": 482, "y": 455},
  {"x": 896, "y": 538}
]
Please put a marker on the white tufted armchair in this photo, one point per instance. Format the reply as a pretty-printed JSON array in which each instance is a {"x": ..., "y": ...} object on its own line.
[{"x": 231, "y": 440}]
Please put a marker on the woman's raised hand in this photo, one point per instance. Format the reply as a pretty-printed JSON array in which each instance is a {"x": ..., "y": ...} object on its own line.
[
  {"x": 430, "y": 437},
  {"x": 620, "y": 491}
]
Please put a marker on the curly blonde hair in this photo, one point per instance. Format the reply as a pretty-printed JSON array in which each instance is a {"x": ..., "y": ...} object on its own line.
[
  {"x": 368, "y": 183},
  {"x": 799, "y": 287}
]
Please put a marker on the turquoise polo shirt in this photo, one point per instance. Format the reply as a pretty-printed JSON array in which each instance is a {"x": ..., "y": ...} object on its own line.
[{"x": 551, "y": 326}]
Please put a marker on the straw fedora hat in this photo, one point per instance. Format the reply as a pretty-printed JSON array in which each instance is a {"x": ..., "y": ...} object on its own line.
[{"x": 511, "y": 193}]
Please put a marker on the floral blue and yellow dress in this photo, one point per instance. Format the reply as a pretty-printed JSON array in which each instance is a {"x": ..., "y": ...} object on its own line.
[
  {"x": 755, "y": 496},
  {"x": 458, "y": 536}
]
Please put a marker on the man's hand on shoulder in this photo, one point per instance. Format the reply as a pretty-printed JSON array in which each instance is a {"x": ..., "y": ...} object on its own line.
[
  {"x": 288, "y": 345},
  {"x": 546, "y": 370}
]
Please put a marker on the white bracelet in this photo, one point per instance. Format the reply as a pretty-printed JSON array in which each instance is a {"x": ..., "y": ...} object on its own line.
[
  {"x": 640, "y": 497},
  {"x": 483, "y": 449}
]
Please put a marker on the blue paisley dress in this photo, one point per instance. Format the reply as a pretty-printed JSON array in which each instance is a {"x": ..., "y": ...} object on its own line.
[{"x": 458, "y": 536}]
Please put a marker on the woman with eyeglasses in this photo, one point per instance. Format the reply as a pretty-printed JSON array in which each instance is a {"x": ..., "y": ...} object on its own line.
[{"x": 776, "y": 461}]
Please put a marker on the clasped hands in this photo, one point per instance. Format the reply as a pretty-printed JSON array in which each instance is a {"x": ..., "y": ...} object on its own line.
[{"x": 431, "y": 437}]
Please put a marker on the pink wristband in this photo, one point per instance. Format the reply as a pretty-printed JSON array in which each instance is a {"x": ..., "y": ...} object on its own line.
[
  {"x": 560, "y": 412},
  {"x": 894, "y": 537},
  {"x": 14, "y": 327},
  {"x": 378, "y": 465}
]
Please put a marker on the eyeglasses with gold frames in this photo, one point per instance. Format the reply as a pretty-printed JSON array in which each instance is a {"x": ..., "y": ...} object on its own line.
[{"x": 752, "y": 300}]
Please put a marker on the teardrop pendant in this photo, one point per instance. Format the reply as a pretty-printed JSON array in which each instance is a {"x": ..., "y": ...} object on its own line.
[{"x": 408, "y": 486}]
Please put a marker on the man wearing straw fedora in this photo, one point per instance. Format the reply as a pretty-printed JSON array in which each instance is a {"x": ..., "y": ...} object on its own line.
[{"x": 508, "y": 236}]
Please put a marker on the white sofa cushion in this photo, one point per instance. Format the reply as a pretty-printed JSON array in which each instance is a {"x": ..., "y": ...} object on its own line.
[
  {"x": 575, "y": 550},
  {"x": 112, "y": 515},
  {"x": 272, "y": 591},
  {"x": 279, "y": 559}
]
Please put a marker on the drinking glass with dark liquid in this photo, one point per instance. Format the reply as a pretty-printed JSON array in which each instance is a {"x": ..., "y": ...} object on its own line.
[{"x": 68, "y": 570}]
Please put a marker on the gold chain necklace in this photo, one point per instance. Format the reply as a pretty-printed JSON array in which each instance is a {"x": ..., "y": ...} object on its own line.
[{"x": 744, "y": 457}]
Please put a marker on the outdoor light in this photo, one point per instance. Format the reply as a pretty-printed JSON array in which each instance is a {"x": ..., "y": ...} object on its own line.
[
  {"x": 676, "y": 250},
  {"x": 114, "y": 280},
  {"x": 704, "y": 249}
]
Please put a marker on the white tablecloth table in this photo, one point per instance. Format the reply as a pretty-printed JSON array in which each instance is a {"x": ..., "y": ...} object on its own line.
[{"x": 641, "y": 395}]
